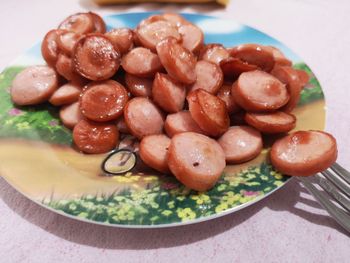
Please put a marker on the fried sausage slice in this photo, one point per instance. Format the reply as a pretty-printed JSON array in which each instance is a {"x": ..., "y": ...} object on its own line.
[
  {"x": 70, "y": 115},
  {"x": 122, "y": 39},
  {"x": 103, "y": 100},
  {"x": 143, "y": 117},
  {"x": 226, "y": 95},
  {"x": 81, "y": 23},
  {"x": 154, "y": 150},
  {"x": 214, "y": 53},
  {"x": 93, "y": 137},
  {"x": 95, "y": 58},
  {"x": 168, "y": 94},
  {"x": 181, "y": 121},
  {"x": 139, "y": 87},
  {"x": 34, "y": 85},
  {"x": 241, "y": 144},
  {"x": 259, "y": 91},
  {"x": 49, "y": 46},
  {"x": 233, "y": 67},
  {"x": 192, "y": 37},
  {"x": 66, "y": 94},
  {"x": 196, "y": 160},
  {"x": 209, "y": 77},
  {"x": 274, "y": 122},
  {"x": 304, "y": 153}
]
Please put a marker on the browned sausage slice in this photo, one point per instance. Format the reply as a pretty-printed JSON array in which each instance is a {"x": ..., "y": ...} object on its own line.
[
  {"x": 241, "y": 144},
  {"x": 196, "y": 160},
  {"x": 151, "y": 34},
  {"x": 278, "y": 56},
  {"x": 141, "y": 62},
  {"x": 168, "y": 94},
  {"x": 275, "y": 122},
  {"x": 49, "y": 46},
  {"x": 209, "y": 77},
  {"x": 94, "y": 137},
  {"x": 65, "y": 68},
  {"x": 81, "y": 23},
  {"x": 181, "y": 121},
  {"x": 95, "y": 57},
  {"x": 225, "y": 94},
  {"x": 209, "y": 112},
  {"x": 154, "y": 151},
  {"x": 121, "y": 126},
  {"x": 304, "y": 153},
  {"x": 254, "y": 54},
  {"x": 259, "y": 91},
  {"x": 99, "y": 24},
  {"x": 103, "y": 100},
  {"x": 70, "y": 115},
  {"x": 122, "y": 39},
  {"x": 179, "y": 62},
  {"x": 143, "y": 117},
  {"x": 66, "y": 42},
  {"x": 139, "y": 87},
  {"x": 290, "y": 77},
  {"x": 214, "y": 53},
  {"x": 34, "y": 85},
  {"x": 192, "y": 37},
  {"x": 233, "y": 67},
  {"x": 66, "y": 94}
]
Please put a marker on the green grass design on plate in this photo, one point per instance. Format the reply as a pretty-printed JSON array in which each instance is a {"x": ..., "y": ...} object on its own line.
[{"x": 167, "y": 201}]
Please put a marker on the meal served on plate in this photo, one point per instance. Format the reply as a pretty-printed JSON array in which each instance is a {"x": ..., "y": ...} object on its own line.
[{"x": 179, "y": 96}]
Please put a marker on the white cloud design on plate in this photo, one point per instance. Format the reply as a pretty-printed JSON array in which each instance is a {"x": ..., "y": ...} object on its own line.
[
  {"x": 114, "y": 22},
  {"x": 216, "y": 26}
]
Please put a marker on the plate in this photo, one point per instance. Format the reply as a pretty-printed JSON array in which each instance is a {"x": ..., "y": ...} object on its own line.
[{"x": 37, "y": 159}]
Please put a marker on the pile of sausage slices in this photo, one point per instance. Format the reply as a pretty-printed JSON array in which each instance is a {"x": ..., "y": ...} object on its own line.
[{"x": 193, "y": 106}]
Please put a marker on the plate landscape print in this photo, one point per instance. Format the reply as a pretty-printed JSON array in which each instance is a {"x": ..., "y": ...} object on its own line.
[{"x": 37, "y": 157}]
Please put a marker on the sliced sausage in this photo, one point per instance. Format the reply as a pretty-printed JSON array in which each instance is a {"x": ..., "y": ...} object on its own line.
[
  {"x": 209, "y": 112},
  {"x": 241, "y": 144},
  {"x": 34, "y": 85},
  {"x": 214, "y": 53},
  {"x": 168, "y": 94},
  {"x": 181, "y": 121},
  {"x": 122, "y": 39},
  {"x": 304, "y": 77},
  {"x": 179, "y": 62},
  {"x": 151, "y": 34},
  {"x": 290, "y": 77},
  {"x": 233, "y": 67},
  {"x": 141, "y": 62},
  {"x": 66, "y": 42},
  {"x": 304, "y": 153},
  {"x": 95, "y": 137},
  {"x": 225, "y": 95},
  {"x": 196, "y": 160},
  {"x": 192, "y": 37},
  {"x": 278, "y": 56},
  {"x": 259, "y": 91},
  {"x": 99, "y": 24},
  {"x": 254, "y": 54},
  {"x": 70, "y": 115},
  {"x": 95, "y": 57},
  {"x": 139, "y": 87},
  {"x": 65, "y": 68},
  {"x": 154, "y": 150},
  {"x": 49, "y": 46},
  {"x": 209, "y": 77},
  {"x": 275, "y": 122},
  {"x": 121, "y": 126},
  {"x": 66, "y": 94},
  {"x": 143, "y": 117},
  {"x": 103, "y": 100},
  {"x": 81, "y": 23},
  {"x": 176, "y": 19}
]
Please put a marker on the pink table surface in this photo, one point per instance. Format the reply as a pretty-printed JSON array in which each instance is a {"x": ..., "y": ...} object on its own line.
[{"x": 288, "y": 226}]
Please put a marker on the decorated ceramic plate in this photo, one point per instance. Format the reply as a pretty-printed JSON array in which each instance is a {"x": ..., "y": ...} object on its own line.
[{"x": 37, "y": 158}]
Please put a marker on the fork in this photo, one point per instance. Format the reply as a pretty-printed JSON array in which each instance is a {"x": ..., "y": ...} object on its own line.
[{"x": 335, "y": 197}]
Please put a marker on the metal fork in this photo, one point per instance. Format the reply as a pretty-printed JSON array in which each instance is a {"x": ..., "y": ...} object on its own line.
[{"x": 335, "y": 197}]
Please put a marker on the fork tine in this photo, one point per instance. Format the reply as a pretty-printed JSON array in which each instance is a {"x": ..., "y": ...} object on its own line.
[
  {"x": 341, "y": 172},
  {"x": 343, "y": 186},
  {"x": 338, "y": 214},
  {"x": 332, "y": 190}
]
